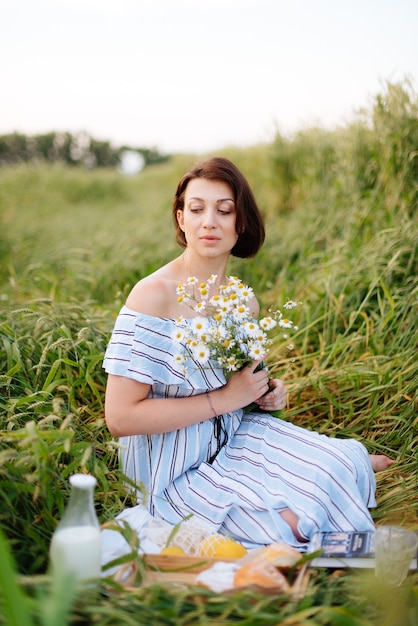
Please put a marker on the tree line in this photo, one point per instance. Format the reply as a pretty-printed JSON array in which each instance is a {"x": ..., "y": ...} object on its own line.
[{"x": 71, "y": 148}]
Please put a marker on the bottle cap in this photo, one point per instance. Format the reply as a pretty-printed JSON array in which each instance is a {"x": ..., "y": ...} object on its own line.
[{"x": 83, "y": 481}]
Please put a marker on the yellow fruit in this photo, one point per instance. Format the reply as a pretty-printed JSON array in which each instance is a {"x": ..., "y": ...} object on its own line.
[
  {"x": 220, "y": 547},
  {"x": 174, "y": 550}
]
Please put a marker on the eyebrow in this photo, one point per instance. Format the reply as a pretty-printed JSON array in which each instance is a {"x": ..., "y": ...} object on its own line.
[{"x": 217, "y": 202}]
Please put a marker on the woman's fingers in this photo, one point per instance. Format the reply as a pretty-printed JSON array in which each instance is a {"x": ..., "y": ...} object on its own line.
[{"x": 276, "y": 398}]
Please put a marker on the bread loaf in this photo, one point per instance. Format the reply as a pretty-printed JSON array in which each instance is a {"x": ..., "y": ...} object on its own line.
[
  {"x": 262, "y": 574},
  {"x": 278, "y": 554}
]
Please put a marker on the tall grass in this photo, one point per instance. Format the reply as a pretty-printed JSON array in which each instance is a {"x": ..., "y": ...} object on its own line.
[{"x": 341, "y": 217}]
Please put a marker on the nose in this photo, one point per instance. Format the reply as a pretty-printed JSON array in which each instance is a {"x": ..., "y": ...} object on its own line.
[{"x": 209, "y": 218}]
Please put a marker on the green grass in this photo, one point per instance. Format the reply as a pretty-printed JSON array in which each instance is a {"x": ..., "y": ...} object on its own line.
[{"x": 341, "y": 217}]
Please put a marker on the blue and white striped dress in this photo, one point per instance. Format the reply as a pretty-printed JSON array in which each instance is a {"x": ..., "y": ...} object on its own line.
[{"x": 266, "y": 465}]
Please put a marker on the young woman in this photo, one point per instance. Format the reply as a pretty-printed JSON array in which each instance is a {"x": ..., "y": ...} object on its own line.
[{"x": 186, "y": 438}]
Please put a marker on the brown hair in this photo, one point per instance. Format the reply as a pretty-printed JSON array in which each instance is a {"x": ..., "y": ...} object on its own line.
[{"x": 249, "y": 222}]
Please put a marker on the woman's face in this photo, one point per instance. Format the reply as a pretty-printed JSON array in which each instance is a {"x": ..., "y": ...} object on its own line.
[{"x": 208, "y": 219}]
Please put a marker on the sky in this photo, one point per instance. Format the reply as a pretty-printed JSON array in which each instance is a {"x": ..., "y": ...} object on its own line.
[{"x": 198, "y": 75}]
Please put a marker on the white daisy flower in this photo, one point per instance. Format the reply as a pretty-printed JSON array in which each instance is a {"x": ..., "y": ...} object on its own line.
[
  {"x": 199, "y": 307},
  {"x": 224, "y": 308},
  {"x": 245, "y": 292},
  {"x": 285, "y": 323},
  {"x": 290, "y": 304},
  {"x": 184, "y": 298},
  {"x": 240, "y": 312},
  {"x": 181, "y": 288},
  {"x": 204, "y": 291},
  {"x": 201, "y": 353},
  {"x": 256, "y": 350},
  {"x": 199, "y": 325},
  {"x": 267, "y": 323},
  {"x": 215, "y": 299},
  {"x": 251, "y": 328},
  {"x": 261, "y": 337},
  {"x": 218, "y": 332},
  {"x": 231, "y": 364},
  {"x": 178, "y": 335},
  {"x": 228, "y": 343},
  {"x": 232, "y": 282}
]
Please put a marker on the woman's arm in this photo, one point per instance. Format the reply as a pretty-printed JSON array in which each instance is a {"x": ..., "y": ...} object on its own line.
[{"x": 129, "y": 411}]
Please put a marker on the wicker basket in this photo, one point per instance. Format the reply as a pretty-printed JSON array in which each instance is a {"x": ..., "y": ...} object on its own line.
[{"x": 173, "y": 570}]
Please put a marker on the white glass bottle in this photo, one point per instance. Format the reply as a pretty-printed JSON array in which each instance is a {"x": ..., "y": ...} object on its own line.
[{"x": 76, "y": 543}]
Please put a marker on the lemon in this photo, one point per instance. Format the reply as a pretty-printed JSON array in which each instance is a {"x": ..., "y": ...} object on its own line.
[
  {"x": 220, "y": 547},
  {"x": 173, "y": 550}
]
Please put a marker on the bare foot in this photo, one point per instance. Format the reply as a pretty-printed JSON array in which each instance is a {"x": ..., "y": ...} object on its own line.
[{"x": 380, "y": 462}]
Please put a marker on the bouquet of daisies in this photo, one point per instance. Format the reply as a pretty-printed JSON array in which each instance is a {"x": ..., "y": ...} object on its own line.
[{"x": 223, "y": 329}]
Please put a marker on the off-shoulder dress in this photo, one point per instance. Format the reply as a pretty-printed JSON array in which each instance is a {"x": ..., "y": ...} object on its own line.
[{"x": 264, "y": 464}]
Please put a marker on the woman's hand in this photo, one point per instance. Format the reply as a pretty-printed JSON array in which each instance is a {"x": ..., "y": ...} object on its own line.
[
  {"x": 246, "y": 386},
  {"x": 275, "y": 399},
  {"x": 250, "y": 386}
]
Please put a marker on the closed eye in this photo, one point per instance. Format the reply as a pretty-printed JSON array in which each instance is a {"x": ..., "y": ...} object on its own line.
[{"x": 226, "y": 207}]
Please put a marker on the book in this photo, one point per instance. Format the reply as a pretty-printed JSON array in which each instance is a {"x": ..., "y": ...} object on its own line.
[{"x": 345, "y": 549}]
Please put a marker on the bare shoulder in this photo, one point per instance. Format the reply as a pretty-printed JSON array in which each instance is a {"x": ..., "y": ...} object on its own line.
[
  {"x": 152, "y": 296},
  {"x": 155, "y": 294}
]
